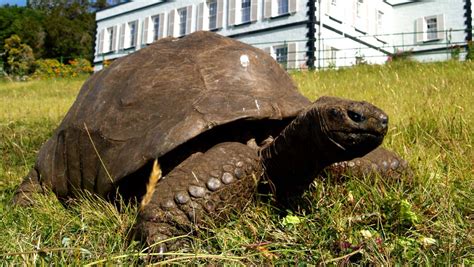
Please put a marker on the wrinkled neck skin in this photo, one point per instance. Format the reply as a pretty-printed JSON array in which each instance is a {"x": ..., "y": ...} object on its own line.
[{"x": 298, "y": 154}]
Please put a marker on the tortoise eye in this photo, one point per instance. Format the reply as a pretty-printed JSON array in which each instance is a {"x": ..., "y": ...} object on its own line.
[{"x": 357, "y": 117}]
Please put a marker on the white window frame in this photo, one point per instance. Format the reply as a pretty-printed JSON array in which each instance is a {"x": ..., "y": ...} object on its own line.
[
  {"x": 277, "y": 57},
  {"x": 212, "y": 18},
  {"x": 379, "y": 28},
  {"x": 182, "y": 20},
  {"x": 359, "y": 6},
  {"x": 279, "y": 11},
  {"x": 131, "y": 39},
  {"x": 109, "y": 40},
  {"x": 425, "y": 34},
  {"x": 248, "y": 11},
  {"x": 431, "y": 28},
  {"x": 271, "y": 8},
  {"x": 157, "y": 30}
]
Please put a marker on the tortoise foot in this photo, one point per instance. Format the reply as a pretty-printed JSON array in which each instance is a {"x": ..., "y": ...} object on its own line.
[
  {"x": 25, "y": 194},
  {"x": 205, "y": 187},
  {"x": 380, "y": 161}
]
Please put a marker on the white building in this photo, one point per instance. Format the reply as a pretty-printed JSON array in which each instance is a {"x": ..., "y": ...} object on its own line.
[{"x": 298, "y": 33}]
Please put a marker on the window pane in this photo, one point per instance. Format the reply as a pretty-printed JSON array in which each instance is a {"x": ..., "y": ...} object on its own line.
[
  {"x": 182, "y": 21},
  {"x": 212, "y": 14},
  {"x": 111, "y": 38},
  {"x": 281, "y": 55},
  {"x": 156, "y": 28},
  {"x": 133, "y": 28},
  {"x": 245, "y": 10},
  {"x": 282, "y": 7},
  {"x": 432, "y": 29}
]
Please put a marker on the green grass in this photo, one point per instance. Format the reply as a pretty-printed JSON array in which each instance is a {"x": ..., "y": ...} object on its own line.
[{"x": 426, "y": 218}]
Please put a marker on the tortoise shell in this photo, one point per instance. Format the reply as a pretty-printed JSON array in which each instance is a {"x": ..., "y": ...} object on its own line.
[{"x": 148, "y": 103}]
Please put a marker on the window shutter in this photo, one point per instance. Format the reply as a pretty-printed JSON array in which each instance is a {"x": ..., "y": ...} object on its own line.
[
  {"x": 200, "y": 14},
  {"x": 420, "y": 27},
  {"x": 121, "y": 36},
  {"x": 267, "y": 5},
  {"x": 114, "y": 38},
  {"x": 171, "y": 23},
  {"x": 254, "y": 10},
  {"x": 220, "y": 12},
  {"x": 146, "y": 23},
  {"x": 440, "y": 26},
  {"x": 101, "y": 41},
  {"x": 189, "y": 16},
  {"x": 292, "y": 56},
  {"x": 293, "y": 5},
  {"x": 231, "y": 12},
  {"x": 135, "y": 34},
  {"x": 161, "y": 26}
]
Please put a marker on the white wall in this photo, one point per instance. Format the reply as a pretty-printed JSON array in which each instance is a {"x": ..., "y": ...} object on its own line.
[{"x": 404, "y": 21}]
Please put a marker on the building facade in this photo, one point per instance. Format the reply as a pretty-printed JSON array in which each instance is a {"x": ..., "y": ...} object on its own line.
[{"x": 297, "y": 33}]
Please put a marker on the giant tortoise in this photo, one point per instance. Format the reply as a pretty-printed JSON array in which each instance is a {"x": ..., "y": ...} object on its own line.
[{"x": 206, "y": 107}]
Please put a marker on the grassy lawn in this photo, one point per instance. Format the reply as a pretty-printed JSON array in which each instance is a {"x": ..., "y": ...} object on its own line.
[{"x": 425, "y": 218}]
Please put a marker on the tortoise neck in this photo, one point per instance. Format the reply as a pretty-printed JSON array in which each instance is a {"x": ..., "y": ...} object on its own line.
[{"x": 296, "y": 156}]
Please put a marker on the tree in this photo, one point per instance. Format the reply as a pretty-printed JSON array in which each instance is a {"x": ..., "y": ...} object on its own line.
[
  {"x": 26, "y": 23},
  {"x": 19, "y": 57}
]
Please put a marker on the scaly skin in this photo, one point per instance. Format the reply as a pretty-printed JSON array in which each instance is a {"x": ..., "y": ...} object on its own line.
[
  {"x": 330, "y": 130},
  {"x": 380, "y": 162},
  {"x": 205, "y": 186}
]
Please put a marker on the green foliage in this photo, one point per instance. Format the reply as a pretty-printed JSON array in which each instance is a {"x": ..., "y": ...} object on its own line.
[
  {"x": 470, "y": 51},
  {"x": 26, "y": 23},
  {"x": 53, "y": 29},
  {"x": 455, "y": 52},
  {"x": 400, "y": 55},
  {"x": 19, "y": 57},
  {"x": 419, "y": 219}
]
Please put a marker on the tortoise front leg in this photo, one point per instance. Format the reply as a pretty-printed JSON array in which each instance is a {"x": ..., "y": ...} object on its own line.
[
  {"x": 206, "y": 185},
  {"x": 379, "y": 161}
]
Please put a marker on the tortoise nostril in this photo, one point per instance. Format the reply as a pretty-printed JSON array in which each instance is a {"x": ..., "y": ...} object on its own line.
[{"x": 355, "y": 116}]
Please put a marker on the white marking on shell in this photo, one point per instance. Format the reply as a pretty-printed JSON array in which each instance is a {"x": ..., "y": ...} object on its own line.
[
  {"x": 244, "y": 61},
  {"x": 256, "y": 104}
]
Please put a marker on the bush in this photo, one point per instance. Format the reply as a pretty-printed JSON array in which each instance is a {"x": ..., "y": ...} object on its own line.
[
  {"x": 52, "y": 68},
  {"x": 470, "y": 51},
  {"x": 400, "y": 55},
  {"x": 19, "y": 57}
]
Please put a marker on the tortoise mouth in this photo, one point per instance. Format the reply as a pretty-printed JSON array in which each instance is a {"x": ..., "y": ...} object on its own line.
[{"x": 358, "y": 139}]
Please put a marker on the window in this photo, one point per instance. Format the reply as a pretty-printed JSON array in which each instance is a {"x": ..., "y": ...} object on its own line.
[
  {"x": 282, "y": 7},
  {"x": 359, "y": 8},
  {"x": 111, "y": 34},
  {"x": 156, "y": 27},
  {"x": 431, "y": 28},
  {"x": 212, "y": 5},
  {"x": 183, "y": 14},
  {"x": 281, "y": 54},
  {"x": 379, "y": 22},
  {"x": 245, "y": 11},
  {"x": 132, "y": 27}
]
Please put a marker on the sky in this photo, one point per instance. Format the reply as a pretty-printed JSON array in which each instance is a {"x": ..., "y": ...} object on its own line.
[{"x": 13, "y": 2}]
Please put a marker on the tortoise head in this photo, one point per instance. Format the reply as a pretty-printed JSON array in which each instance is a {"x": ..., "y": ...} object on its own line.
[{"x": 353, "y": 128}]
